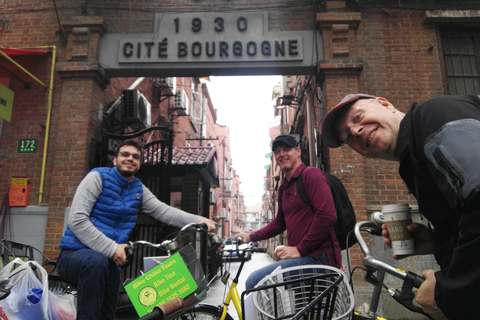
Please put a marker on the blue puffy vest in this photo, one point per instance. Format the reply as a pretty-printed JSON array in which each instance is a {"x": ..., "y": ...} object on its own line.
[{"x": 115, "y": 211}]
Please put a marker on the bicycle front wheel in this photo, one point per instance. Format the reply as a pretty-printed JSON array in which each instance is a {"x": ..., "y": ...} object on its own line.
[{"x": 203, "y": 312}]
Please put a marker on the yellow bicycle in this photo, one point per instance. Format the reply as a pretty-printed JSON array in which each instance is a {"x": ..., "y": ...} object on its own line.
[{"x": 302, "y": 292}]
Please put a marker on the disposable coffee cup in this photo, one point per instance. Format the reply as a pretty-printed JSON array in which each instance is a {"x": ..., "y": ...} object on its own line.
[{"x": 397, "y": 217}]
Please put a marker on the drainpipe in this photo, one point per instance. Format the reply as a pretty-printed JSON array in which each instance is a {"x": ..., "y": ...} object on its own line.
[
  {"x": 311, "y": 138},
  {"x": 47, "y": 131}
]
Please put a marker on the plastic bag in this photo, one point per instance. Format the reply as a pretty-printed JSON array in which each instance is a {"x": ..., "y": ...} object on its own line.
[
  {"x": 62, "y": 305},
  {"x": 29, "y": 293}
]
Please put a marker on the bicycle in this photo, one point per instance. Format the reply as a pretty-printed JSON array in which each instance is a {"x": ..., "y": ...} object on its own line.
[
  {"x": 307, "y": 291},
  {"x": 182, "y": 244},
  {"x": 376, "y": 271}
]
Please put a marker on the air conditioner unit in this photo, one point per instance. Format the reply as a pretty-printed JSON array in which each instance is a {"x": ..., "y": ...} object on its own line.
[
  {"x": 228, "y": 186},
  {"x": 213, "y": 197},
  {"x": 135, "y": 109},
  {"x": 287, "y": 85},
  {"x": 181, "y": 102},
  {"x": 223, "y": 213},
  {"x": 168, "y": 85}
]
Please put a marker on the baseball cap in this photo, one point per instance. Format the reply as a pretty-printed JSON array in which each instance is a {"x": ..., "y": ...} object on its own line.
[
  {"x": 329, "y": 133},
  {"x": 284, "y": 139}
]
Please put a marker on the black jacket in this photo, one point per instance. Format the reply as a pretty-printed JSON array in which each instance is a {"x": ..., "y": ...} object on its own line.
[{"x": 439, "y": 152}]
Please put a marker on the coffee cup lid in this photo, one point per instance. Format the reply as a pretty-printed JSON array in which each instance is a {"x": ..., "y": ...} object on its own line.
[{"x": 395, "y": 207}]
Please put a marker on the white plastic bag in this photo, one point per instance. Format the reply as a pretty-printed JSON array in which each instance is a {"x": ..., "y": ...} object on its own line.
[
  {"x": 62, "y": 306},
  {"x": 29, "y": 294}
]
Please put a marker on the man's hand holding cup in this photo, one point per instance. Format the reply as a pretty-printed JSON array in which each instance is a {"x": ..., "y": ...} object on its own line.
[{"x": 400, "y": 232}]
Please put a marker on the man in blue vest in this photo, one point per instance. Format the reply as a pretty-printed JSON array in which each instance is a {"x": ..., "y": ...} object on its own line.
[
  {"x": 436, "y": 145},
  {"x": 103, "y": 213}
]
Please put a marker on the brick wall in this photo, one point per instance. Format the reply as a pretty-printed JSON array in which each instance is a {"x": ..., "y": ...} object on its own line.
[
  {"x": 30, "y": 113},
  {"x": 392, "y": 54}
]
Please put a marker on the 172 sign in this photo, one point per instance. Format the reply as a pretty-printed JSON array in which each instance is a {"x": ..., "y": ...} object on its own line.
[{"x": 27, "y": 145}]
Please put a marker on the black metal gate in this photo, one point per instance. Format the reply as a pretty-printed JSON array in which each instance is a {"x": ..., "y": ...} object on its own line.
[{"x": 155, "y": 173}]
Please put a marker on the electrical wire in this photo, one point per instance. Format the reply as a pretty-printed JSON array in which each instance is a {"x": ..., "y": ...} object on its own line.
[{"x": 56, "y": 14}]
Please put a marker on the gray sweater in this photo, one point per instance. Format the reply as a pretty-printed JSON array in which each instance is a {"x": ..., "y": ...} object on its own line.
[{"x": 85, "y": 198}]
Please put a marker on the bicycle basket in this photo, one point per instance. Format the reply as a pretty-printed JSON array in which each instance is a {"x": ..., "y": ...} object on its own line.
[
  {"x": 190, "y": 258},
  {"x": 304, "y": 291}
]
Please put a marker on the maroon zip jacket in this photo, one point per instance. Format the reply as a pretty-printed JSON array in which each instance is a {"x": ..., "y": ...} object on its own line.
[{"x": 310, "y": 230}]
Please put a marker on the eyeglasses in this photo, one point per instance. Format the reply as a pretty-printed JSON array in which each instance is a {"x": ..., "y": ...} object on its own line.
[
  {"x": 125, "y": 154},
  {"x": 354, "y": 117}
]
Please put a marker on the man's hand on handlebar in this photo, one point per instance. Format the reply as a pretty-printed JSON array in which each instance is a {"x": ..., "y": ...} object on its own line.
[
  {"x": 422, "y": 237},
  {"x": 210, "y": 224},
  {"x": 120, "y": 256},
  {"x": 245, "y": 237},
  {"x": 426, "y": 295}
]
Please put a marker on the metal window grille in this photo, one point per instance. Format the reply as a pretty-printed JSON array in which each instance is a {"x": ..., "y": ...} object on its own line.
[{"x": 461, "y": 51}]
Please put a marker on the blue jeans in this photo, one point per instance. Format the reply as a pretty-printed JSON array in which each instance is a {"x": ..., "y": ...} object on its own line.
[
  {"x": 97, "y": 280},
  {"x": 258, "y": 275}
]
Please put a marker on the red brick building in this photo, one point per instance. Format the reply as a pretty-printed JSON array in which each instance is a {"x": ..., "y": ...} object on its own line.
[{"x": 404, "y": 50}]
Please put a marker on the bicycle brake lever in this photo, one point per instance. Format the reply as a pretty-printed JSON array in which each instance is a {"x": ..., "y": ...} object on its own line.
[
  {"x": 129, "y": 248},
  {"x": 406, "y": 296}
]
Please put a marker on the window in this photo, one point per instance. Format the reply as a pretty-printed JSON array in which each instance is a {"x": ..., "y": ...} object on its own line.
[{"x": 461, "y": 52}]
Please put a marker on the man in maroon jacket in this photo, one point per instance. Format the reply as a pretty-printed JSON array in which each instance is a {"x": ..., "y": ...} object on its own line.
[{"x": 310, "y": 228}]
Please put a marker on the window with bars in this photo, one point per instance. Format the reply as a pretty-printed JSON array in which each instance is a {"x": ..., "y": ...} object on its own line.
[{"x": 461, "y": 52}]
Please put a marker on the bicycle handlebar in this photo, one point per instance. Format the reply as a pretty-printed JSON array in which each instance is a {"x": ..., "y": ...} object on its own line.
[
  {"x": 370, "y": 262},
  {"x": 248, "y": 249},
  {"x": 167, "y": 245},
  {"x": 410, "y": 279},
  {"x": 4, "y": 291}
]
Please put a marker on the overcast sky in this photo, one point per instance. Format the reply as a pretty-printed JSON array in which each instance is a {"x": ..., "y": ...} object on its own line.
[{"x": 245, "y": 105}]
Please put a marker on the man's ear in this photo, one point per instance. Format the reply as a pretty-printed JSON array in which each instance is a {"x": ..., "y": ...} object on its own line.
[
  {"x": 114, "y": 161},
  {"x": 384, "y": 102},
  {"x": 299, "y": 150}
]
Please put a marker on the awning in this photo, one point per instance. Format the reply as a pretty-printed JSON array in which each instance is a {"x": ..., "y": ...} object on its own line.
[
  {"x": 22, "y": 52},
  {"x": 8, "y": 53},
  {"x": 202, "y": 159}
]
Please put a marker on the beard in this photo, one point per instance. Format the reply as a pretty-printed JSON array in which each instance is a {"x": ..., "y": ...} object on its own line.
[{"x": 127, "y": 174}]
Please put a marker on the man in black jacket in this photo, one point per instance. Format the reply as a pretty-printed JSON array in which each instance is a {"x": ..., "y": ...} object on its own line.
[{"x": 437, "y": 146}]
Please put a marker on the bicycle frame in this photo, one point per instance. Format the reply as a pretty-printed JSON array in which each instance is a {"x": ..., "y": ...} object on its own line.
[{"x": 233, "y": 295}]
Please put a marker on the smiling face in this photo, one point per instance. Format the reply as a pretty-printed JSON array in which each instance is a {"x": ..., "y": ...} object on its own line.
[
  {"x": 288, "y": 158},
  {"x": 370, "y": 127},
  {"x": 128, "y": 161}
]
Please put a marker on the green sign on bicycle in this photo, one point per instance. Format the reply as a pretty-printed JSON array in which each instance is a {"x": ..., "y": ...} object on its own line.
[{"x": 165, "y": 282}]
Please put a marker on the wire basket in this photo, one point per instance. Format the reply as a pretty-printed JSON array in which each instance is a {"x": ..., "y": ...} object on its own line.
[
  {"x": 304, "y": 292},
  {"x": 190, "y": 258}
]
